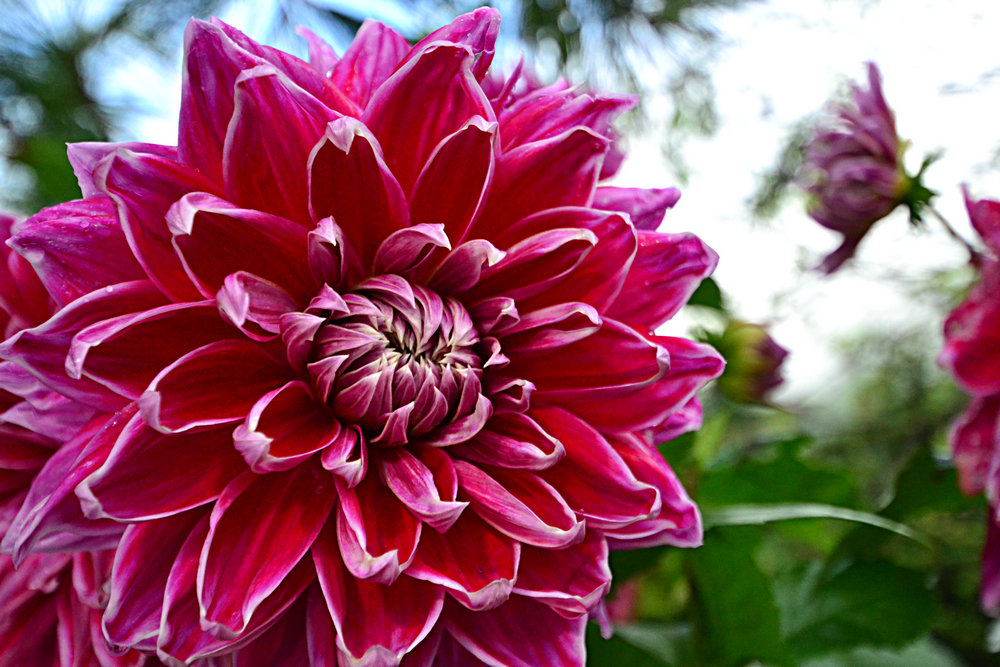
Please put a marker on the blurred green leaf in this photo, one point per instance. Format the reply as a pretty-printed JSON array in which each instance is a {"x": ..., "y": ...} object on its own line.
[
  {"x": 708, "y": 295},
  {"x": 619, "y": 651},
  {"x": 738, "y": 609},
  {"x": 924, "y": 653},
  {"x": 865, "y": 604},
  {"x": 750, "y": 515}
]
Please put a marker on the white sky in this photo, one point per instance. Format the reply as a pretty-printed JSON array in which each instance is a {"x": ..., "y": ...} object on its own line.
[{"x": 782, "y": 60}]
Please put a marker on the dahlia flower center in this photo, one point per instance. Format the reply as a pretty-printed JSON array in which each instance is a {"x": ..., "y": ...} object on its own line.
[{"x": 399, "y": 361}]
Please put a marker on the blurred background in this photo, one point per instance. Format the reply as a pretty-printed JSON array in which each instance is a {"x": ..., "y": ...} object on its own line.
[{"x": 835, "y": 531}]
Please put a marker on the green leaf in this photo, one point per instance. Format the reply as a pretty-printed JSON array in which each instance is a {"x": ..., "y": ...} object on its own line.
[
  {"x": 751, "y": 515},
  {"x": 708, "y": 295},
  {"x": 738, "y": 610},
  {"x": 867, "y": 604},
  {"x": 618, "y": 651}
]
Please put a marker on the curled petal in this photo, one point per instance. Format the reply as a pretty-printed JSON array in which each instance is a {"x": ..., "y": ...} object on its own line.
[
  {"x": 267, "y": 521},
  {"x": 428, "y": 492},
  {"x": 513, "y": 440},
  {"x": 439, "y": 82},
  {"x": 332, "y": 260},
  {"x": 477, "y": 29},
  {"x": 370, "y": 59},
  {"x": 404, "y": 250},
  {"x": 572, "y": 581},
  {"x": 551, "y": 111},
  {"x": 520, "y": 505},
  {"x": 254, "y": 305},
  {"x": 477, "y": 564},
  {"x": 85, "y": 156},
  {"x": 347, "y": 456},
  {"x": 321, "y": 54},
  {"x": 377, "y": 534},
  {"x": 285, "y": 427},
  {"x": 214, "y": 384},
  {"x": 147, "y": 474},
  {"x": 462, "y": 267}
]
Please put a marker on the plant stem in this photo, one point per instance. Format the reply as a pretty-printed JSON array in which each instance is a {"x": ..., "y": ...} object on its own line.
[{"x": 974, "y": 257}]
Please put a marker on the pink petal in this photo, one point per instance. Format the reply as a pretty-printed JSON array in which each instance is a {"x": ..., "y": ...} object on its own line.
[
  {"x": 646, "y": 207},
  {"x": 521, "y": 505},
  {"x": 254, "y": 305},
  {"x": 572, "y": 581},
  {"x": 84, "y": 157},
  {"x": 369, "y": 60},
  {"x": 142, "y": 563},
  {"x": 974, "y": 442},
  {"x": 143, "y": 186},
  {"x": 320, "y": 633},
  {"x": 376, "y": 623},
  {"x": 560, "y": 171},
  {"x": 512, "y": 440},
  {"x": 268, "y": 522},
  {"x": 593, "y": 478},
  {"x": 477, "y": 29},
  {"x": 43, "y": 349},
  {"x": 667, "y": 270},
  {"x": 214, "y": 239},
  {"x": 462, "y": 267},
  {"x": 377, "y": 534},
  {"x": 477, "y": 564},
  {"x": 50, "y": 507},
  {"x": 283, "y": 643},
  {"x": 426, "y": 484},
  {"x": 76, "y": 248},
  {"x": 687, "y": 418},
  {"x": 453, "y": 184},
  {"x": 972, "y": 342},
  {"x": 349, "y": 180},
  {"x": 519, "y": 633},
  {"x": 551, "y": 111},
  {"x": 321, "y": 54},
  {"x": 116, "y": 352},
  {"x": 347, "y": 456},
  {"x": 214, "y": 384},
  {"x": 439, "y": 82},
  {"x": 285, "y": 427},
  {"x": 549, "y": 328},
  {"x": 147, "y": 474},
  {"x": 678, "y": 523},
  {"x": 405, "y": 249},
  {"x": 275, "y": 125}
]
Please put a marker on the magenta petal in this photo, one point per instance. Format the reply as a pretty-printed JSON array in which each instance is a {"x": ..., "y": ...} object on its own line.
[
  {"x": 439, "y": 82},
  {"x": 972, "y": 341},
  {"x": 321, "y": 54},
  {"x": 678, "y": 523},
  {"x": 428, "y": 492},
  {"x": 593, "y": 478},
  {"x": 349, "y": 180},
  {"x": 143, "y": 187},
  {"x": 347, "y": 456},
  {"x": 285, "y": 427},
  {"x": 477, "y": 29},
  {"x": 84, "y": 156},
  {"x": 561, "y": 171},
  {"x": 549, "y": 328},
  {"x": 76, "y": 248},
  {"x": 551, "y": 111},
  {"x": 687, "y": 418},
  {"x": 44, "y": 349},
  {"x": 260, "y": 528},
  {"x": 646, "y": 207},
  {"x": 376, "y": 623},
  {"x": 453, "y": 184},
  {"x": 974, "y": 442},
  {"x": 274, "y": 127},
  {"x": 283, "y": 643},
  {"x": 519, "y": 633},
  {"x": 477, "y": 564},
  {"x": 378, "y": 536},
  {"x": 666, "y": 271},
  {"x": 320, "y": 633},
  {"x": 148, "y": 474},
  {"x": 50, "y": 507},
  {"x": 405, "y": 249},
  {"x": 369, "y": 60},
  {"x": 462, "y": 268},
  {"x": 521, "y": 505},
  {"x": 254, "y": 305},
  {"x": 117, "y": 353},
  {"x": 214, "y": 239},
  {"x": 512, "y": 440},
  {"x": 214, "y": 384},
  {"x": 572, "y": 581},
  {"x": 142, "y": 563}
]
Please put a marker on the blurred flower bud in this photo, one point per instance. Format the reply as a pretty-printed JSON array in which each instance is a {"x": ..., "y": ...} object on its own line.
[
  {"x": 753, "y": 362},
  {"x": 854, "y": 173}
]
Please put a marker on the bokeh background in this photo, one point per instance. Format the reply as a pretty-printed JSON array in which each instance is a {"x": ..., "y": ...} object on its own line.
[{"x": 835, "y": 531}]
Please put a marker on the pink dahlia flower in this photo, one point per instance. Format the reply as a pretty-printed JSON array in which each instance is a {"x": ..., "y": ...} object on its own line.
[
  {"x": 853, "y": 167},
  {"x": 371, "y": 359},
  {"x": 972, "y": 354}
]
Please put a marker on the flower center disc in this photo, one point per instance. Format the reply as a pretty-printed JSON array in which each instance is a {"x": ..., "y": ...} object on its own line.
[{"x": 400, "y": 362}]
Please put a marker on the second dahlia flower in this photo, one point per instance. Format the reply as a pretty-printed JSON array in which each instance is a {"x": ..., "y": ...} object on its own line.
[
  {"x": 371, "y": 359},
  {"x": 972, "y": 354},
  {"x": 854, "y": 171}
]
